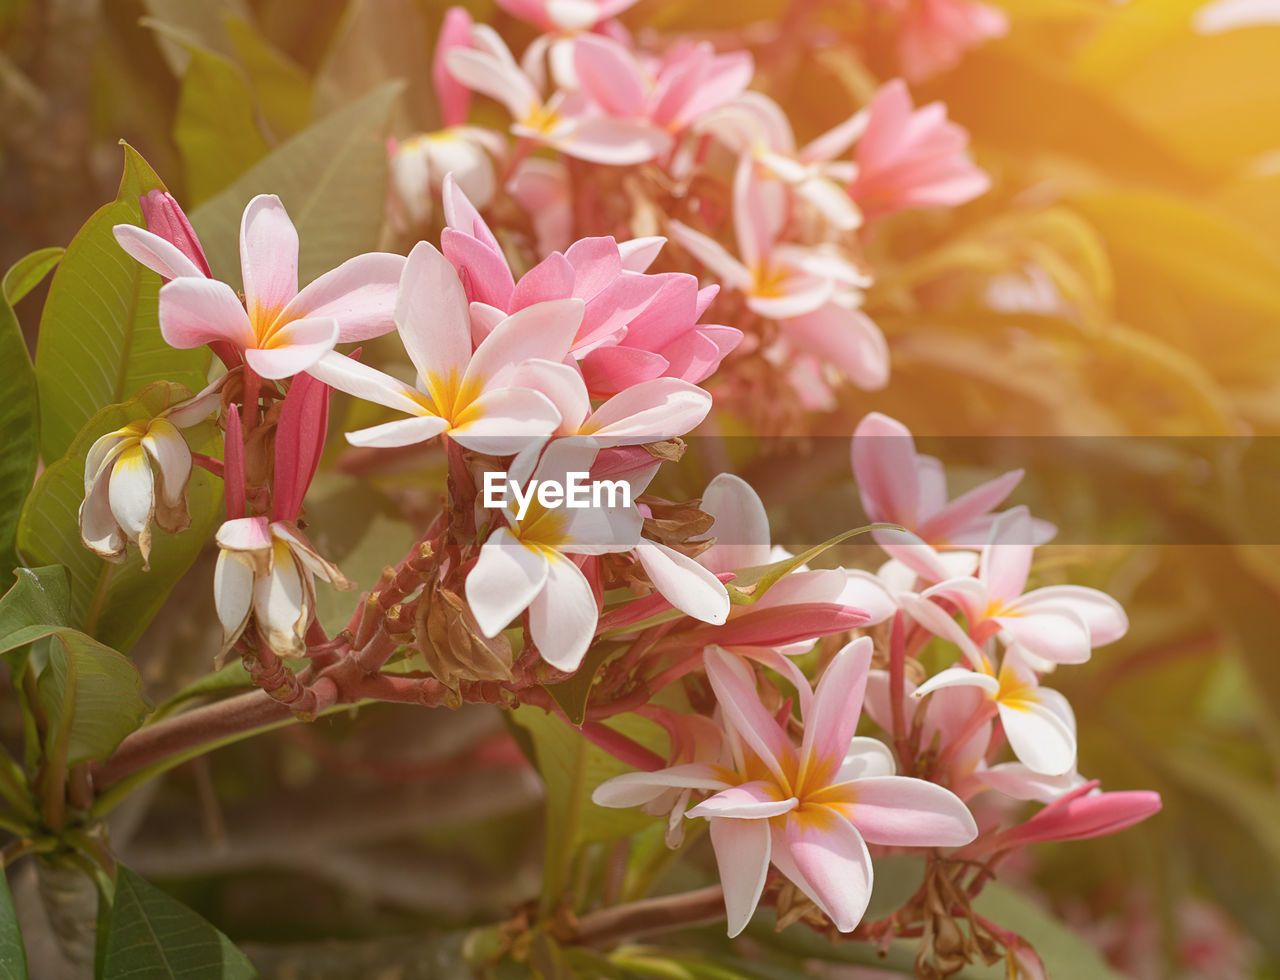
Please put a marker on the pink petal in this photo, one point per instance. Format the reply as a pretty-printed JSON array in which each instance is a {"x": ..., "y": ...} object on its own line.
[
  {"x": 1006, "y": 560},
  {"x": 684, "y": 583},
  {"x": 156, "y": 253},
  {"x": 544, "y": 331},
  {"x": 609, "y": 75},
  {"x": 1104, "y": 616},
  {"x": 741, "y": 527},
  {"x": 349, "y": 375},
  {"x": 941, "y": 526},
  {"x": 300, "y": 434},
  {"x": 637, "y": 788},
  {"x": 563, "y": 615},
  {"x": 552, "y": 278},
  {"x": 503, "y": 421},
  {"x": 611, "y": 369},
  {"x": 742, "y": 849},
  {"x": 884, "y": 464},
  {"x": 1038, "y": 737},
  {"x": 432, "y": 315},
  {"x": 651, "y": 411},
  {"x": 909, "y": 812},
  {"x": 504, "y": 581},
  {"x": 744, "y": 712},
  {"x": 454, "y": 99},
  {"x": 747, "y": 801},
  {"x": 1056, "y": 634},
  {"x": 401, "y": 432},
  {"x": 712, "y": 255},
  {"x": 837, "y": 703},
  {"x": 360, "y": 294},
  {"x": 614, "y": 142},
  {"x": 847, "y": 339},
  {"x": 484, "y": 271},
  {"x": 196, "y": 311},
  {"x": 268, "y": 258},
  {"x": 825, "y": 856},
  {"x": 295, "y": 347}
]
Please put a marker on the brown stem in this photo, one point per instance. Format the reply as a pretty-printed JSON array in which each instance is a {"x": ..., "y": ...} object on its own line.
[
  {"x": 206, "y": 724},
  {"x": 609, "y": 926}
]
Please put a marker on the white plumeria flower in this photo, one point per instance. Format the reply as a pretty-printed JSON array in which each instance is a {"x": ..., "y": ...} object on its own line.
[
  {"x": 526, "y": 563},
  {"x": 464, "y": 395},
  {"x": 419, "y": 165},
  {"x": 139, "y": 474},
  {"x": 268, "y": 570}
]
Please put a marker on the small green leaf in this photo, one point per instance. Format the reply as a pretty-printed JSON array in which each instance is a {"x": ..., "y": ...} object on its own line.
[
  {"x": 151, "y": 936},
  {"x": 19, "y": 406},
  {"x": 215, "y": 127},
  {"x": 332, "y": 180},
  {"x": 13, "y": 956},
  {"x": 91, "y": 695},
  {"x": 99, "y": 336},
  {"x": 28, "y": 272},
  {"x": 572, "y": 695},
  {"x": 752, "y": 583},
  {"x": 114, "y": 603},
  {"x": 232, "y": 677}
]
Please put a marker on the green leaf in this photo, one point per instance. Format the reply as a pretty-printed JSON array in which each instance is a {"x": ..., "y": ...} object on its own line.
[
  {"x": 28, "y": 272},
  {"x": 281, "y": 88},
  {"x": 100, "y": 333},
  {"x": 114, "y": 603},
  {"x": 215, "y": 127},
  {"x": 151, "y": 936},
  {"x": 91, "y": 695},
  {"x": 34, "y": 607},
  {"x": 13, "y": 956},
  {"x": 572, "y": 695},
  {"x": 19, "y": 406},
  {"x": 232, "y": 677},
  {"x": 332, "y": 180}
]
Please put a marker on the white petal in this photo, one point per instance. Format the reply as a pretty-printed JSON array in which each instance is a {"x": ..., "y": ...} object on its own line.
[
  {"x": 504, "y": 581},
  {"x": 563, "y": 616}
]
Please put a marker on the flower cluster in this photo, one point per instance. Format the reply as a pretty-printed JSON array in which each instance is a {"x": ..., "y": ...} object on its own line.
[
  {"x": 557, "y": 358},
  {"x": 652, "y": 139}
]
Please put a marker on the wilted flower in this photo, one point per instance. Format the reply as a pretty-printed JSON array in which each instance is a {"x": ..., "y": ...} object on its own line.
[
  {"x": 268, "y": 569},
  {"x": 139, "y": 474}
]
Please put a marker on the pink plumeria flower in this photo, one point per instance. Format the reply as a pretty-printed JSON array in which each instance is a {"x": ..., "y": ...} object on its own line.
[
  {"x": 899, "y": 485},
  {"x": 755, "y": 125},
  {"x": 1038, "y": 721},
  {"x": 809, "y": 811},
  {"x": 528, "y": 563},
  {"x": 635, "y": 327},
  {"x": 912, "y": 158},
  {"x": 813, "y": 292},
  {"x": 1080, "y": 815},
  {"x": 279, "y": 330},
  {"x": 139, "y": 474},
  {"x": 947, "y": 721},
  {"x": 934, "y": 34},
  {"x": 563, "y": 120},
  {"x": 461, "y": 393},
  {"x": 1060, "y": 624},
  {"x": 672, "y": 94}
]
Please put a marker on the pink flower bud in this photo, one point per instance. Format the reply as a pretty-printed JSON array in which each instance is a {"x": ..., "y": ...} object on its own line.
[
  {"x": 1078, "y": 816},
  {"x": 165, "y": 218}
]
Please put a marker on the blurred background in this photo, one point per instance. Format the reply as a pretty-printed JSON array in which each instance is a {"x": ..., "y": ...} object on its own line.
[{"x": 1108, "y": 316}]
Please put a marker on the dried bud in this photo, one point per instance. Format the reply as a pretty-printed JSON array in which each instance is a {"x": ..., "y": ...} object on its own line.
[
  {"x": 675, "y": 524},
  {"x": 454, "y": 648}
]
